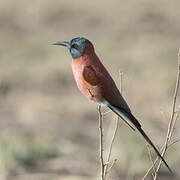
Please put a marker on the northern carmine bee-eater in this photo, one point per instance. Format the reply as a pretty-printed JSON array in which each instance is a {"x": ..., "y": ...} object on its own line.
[{"x": 96, "y": 84}]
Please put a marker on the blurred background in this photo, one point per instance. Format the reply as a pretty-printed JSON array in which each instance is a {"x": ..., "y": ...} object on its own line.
[{"x": 48, "y": 130}]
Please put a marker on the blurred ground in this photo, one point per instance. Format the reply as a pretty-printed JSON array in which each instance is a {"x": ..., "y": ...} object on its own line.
[{"x": 48, "y": 129}]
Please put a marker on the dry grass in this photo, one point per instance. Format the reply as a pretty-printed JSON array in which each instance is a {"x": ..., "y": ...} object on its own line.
[{"x": 39, "y": 97}]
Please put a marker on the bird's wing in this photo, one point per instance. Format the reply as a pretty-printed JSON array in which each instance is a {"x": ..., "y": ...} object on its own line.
[
  {"x": 109, "y": 93},
  {"x": 90, "y": 75}
]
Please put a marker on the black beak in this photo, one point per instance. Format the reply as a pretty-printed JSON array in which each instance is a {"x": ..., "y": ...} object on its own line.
[{"x": 63, "y": 43}]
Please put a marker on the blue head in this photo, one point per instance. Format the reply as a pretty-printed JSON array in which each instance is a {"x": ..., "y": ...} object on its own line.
[{"x": 76, "y": 46}]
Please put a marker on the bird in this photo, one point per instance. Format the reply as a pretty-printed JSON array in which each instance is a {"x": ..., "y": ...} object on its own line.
[{"x": 95, "y": 82}]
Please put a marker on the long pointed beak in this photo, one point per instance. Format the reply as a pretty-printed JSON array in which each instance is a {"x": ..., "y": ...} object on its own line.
[{"x": 62, "y": 43}]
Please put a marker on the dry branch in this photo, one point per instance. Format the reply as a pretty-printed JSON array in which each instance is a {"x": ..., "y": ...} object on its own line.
[
  {"x": 170, "y": 125},
  {"x": 101, "y": 142},
  {"x": 107, "y": 168}
]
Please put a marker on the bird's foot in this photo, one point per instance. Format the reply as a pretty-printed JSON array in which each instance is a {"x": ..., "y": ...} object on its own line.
[{"x": 92, "y": 95}]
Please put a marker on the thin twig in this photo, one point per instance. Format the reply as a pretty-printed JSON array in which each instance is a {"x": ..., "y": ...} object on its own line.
[
  {"x": 174, "y": 142},
  {"x": 101, "y": 142},
  {"x": 101, "y": 148},
  {"x": 170, "y": 125},
  {"x": 107, "y": 112},
  {"x": 148, "y": 171},
  {"x": 121, "y": 80},
  {"x": 107, "y": 168},
  {"x": 112, "y": 165},
  {"x": 150, "y": 157},
  {"x": 177, "y": 117},
  {"x": 110, "y": 148}
]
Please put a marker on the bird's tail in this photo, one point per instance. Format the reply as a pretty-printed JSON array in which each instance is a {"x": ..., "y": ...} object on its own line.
[
  {"x": 125, "y": 116},
  {"x": 154, "y": 147},
  {"x": 128, "y": 117}
]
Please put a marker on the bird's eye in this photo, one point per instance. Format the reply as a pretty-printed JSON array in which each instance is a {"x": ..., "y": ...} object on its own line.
[{"x": 75, "y": 46}]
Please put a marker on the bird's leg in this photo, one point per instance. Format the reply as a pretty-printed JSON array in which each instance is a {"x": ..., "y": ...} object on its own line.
[{"x": 92, "y": 95}]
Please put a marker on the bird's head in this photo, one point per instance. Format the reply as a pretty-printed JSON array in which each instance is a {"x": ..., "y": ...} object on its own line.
[{"x": 77, "y": 46}]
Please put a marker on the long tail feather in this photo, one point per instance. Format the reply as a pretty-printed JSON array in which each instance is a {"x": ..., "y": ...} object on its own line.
[
  {"x": 128, "y": 117},
  {"x": 150, "y": 142}
]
